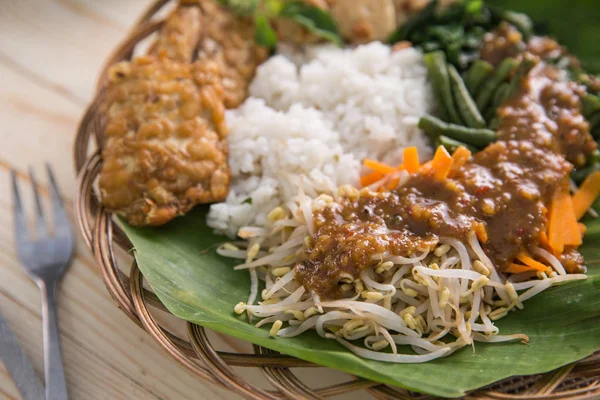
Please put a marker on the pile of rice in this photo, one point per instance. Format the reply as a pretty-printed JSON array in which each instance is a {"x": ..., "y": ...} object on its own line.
[{"x": 311, "y": 119}]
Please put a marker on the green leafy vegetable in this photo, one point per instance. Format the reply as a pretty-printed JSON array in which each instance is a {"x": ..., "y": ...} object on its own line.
[
  {"x": 264, "y": 34},
  {"x": 419, "y": 20},
  {"x": 181, "y": 265},
  {"x": 458, "y": 30},
  {"x": 312, "y": 18}
]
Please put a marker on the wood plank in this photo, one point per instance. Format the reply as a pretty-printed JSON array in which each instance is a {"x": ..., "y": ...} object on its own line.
[
  {"x": 120, "y": 14},
  {"x": 41, "y": 129},
  {"x": 76, "y": 41}
]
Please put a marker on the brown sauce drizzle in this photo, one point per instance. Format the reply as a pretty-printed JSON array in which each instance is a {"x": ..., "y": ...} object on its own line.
[{"x": 504, "y": 190}]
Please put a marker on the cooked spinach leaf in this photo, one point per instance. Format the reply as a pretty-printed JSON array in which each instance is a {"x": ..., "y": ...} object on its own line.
[{"x": 312, "y": 18}]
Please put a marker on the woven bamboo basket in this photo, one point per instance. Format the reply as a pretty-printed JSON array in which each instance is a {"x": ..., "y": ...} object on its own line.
[{"x": 196, "y": 352}]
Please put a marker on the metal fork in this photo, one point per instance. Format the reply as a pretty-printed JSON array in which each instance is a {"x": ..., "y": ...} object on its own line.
[{"x": 46, "y": 256}]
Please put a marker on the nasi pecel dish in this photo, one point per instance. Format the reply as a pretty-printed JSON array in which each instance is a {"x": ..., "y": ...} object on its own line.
[{"x": 394, "y": 175}]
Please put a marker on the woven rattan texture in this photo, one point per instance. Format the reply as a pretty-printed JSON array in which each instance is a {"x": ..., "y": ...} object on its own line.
[{"x": 196, "y": 353}]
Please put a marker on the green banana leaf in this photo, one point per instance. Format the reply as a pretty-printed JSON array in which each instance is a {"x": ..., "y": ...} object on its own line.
[{"x": 181, "y": 265}]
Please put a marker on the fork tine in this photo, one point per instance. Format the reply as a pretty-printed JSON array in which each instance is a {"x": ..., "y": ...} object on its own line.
[
  {"x": 40, "y": 224},
  {"x": 21, "y": 234},
  {"x": 60, "y": 216}
]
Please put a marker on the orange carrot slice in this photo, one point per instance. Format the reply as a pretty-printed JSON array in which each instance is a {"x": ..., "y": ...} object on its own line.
[
  {"x": 442, "y": 163},
  {"x": 370, "y": 178},
  {"x": 378, "y": 166},
  {"x": 411, "y": 160},
  {"x": 563, "y": 229},
  {"x": 460, "y": 156},
  {"x": 426, "y": 167},
  {"x": 586, "y": 195},
  {"x": 531, "y": 263},
  {"x": 518, "y": 268}
]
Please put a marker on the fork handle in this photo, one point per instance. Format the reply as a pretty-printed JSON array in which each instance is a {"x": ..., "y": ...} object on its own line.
[{"x": 56, "y": 388}]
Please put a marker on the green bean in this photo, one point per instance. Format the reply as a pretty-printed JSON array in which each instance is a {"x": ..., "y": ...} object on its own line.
[
  {"x": 479, "y": 70},
  {"x": 441, "y": 113},
  {"x": 525, "y": 66},
  {"x": 506, "y": 90},
  {"x": 489, "y": 87},
  {"x": 451, "y": 145},
  {"x": 454, "y": 53},
  {"x": 502, "y": 93},
  {"x": 494, "y": 123},
  {"x": 435, "y": 127},
  {"x": 463, "y": 100},
  {"x": 591, "y": 104},
  {"x": 438, "y": 73}
]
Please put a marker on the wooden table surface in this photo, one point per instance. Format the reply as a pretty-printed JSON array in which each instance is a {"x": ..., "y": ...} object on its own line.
[{"x": 50, "y": 54}]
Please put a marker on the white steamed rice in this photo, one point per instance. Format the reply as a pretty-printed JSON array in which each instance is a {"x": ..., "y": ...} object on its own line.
[{"x": 311, "y": 125}]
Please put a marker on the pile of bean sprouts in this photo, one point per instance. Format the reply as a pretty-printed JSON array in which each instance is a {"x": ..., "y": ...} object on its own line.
[{"x": 434, "y": 303}]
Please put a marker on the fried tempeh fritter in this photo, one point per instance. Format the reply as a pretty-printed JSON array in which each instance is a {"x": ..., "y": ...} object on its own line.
[
  {"x": 166, "y": 148},
  {"x": 229, "y": 40},
  {"x": 179, "y": 36}
]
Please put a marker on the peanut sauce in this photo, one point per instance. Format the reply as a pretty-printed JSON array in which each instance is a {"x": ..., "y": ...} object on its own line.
[{"x": 502, "y": 193}]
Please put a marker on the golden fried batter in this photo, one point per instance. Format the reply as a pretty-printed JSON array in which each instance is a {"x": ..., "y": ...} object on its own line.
[
  {"x": 165, "y": 148},
  {"x": 179, "y": 36},
  {"x": 229, "y": 40}
]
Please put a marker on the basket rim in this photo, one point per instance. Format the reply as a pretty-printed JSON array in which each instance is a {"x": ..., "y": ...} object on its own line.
[{"x": 197, "y": 354}]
